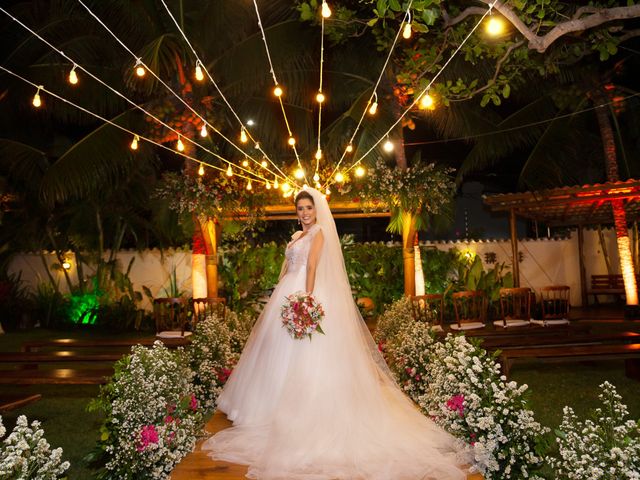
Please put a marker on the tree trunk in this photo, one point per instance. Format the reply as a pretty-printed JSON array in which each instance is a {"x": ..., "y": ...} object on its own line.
[
  {"x": 619, "y": 213},
  {"x": 210, "y": 234},
  {"x": 408, "y": 257}
]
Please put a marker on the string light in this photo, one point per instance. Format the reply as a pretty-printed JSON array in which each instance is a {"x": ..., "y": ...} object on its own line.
[
  {"x": 316, "y": 178},
  {"x": 374, "y": 106},
  {"x": 349, "y": 148},
  {"x": 179, "y": 144},
  {"x": 245, "y": 163},
  {"x": 243, "y": 136},
  {"x": 320, "y": 97},
  {"x": 318, "y": 186},
  {"x": 427, "y": 102},
  {"x": 140, "y": 70},
  {"x": 268, "y": 185},
  {"x": 249, "y": 186},
  {"x": 299, "y": 173},
  {"x": 37, "y": 101},
  {"x": 277, "y": 91},
  {"x": 73, "y": 76},
  {"x": 229, "y": 171},
  {"x": 339, "y": 177},
  {"x": 318, "y": 155},
  {"x": 406, "y": 31},
  {"x": 286, "y": 187},
  {"x": 495, "y": 26},
  {"x": 292, "y": 141},
  {"x": 263, "y": 164},
  {"x": 251, "y": 123},
  {"x": 326, "y": 11},
  {"x": 388, "y": 146},
  {"x": 201, "y": 170},
  {"x": 134, "y": 142},
  {"x": 199, "y": 74},
  {"x": 203, "y": 131},
  {"x": 327, "y": 191},
  {"x": 360, "y": 172},
  {"x": 275, "y": 182}
]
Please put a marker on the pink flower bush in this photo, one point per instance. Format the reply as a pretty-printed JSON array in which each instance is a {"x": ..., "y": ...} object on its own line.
[
  {"x": 148, "y": 435},
  {"x": 456, "y": 403}
]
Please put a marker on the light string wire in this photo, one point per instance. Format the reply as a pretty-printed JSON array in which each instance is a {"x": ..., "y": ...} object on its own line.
[
  {"x": 222, "y": 96},
  {"x": 276, "y": 84},
  {"x": 319, "y": 150},
  {"x": 124, "y": 97},
  {"x": 164, "y": 84},
  {"x": 526, "y": 125},
  {"x": 407, "y": 16},
  {"x": 425, "y": 90},
  {"x": 120, "y": 127}
]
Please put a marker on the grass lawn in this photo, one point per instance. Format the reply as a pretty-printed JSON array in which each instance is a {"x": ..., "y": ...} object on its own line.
[{"x": 68, "y": 425}]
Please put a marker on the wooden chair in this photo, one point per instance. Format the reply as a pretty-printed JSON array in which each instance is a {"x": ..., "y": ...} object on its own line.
[
  {"x": 515, "y": 307},
  {"x": 429, "y": 309},
  {"x": 207, "y": 306},
  {"x": 470, "y": 309},
  {"x": 554, "y": 303},
  {"x": 170, "y": 315}
]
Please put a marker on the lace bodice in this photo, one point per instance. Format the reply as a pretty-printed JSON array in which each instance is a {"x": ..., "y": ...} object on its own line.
[{"x": 297, "y": 251}]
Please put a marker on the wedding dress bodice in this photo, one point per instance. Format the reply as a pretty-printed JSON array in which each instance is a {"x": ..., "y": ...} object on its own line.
[{"x": 297, "y": 251}]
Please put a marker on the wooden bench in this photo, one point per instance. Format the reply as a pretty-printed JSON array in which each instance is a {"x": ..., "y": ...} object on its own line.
[
  {"x": 606, "y": 285},
  {"x": 630, "y": 352},
  {"x": 549, "y": 339},
  {"x": 56, "y": 376},
  {"x": 11, "y": 402},
  {"x": 125, "y": 343},
  {"x": 60, "y": 356}
]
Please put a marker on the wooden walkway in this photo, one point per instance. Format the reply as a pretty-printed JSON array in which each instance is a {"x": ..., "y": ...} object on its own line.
[{"x": 198, "y": 466}]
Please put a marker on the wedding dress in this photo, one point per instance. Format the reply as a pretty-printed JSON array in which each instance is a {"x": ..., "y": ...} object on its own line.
[{"x": 325, "y": 408}]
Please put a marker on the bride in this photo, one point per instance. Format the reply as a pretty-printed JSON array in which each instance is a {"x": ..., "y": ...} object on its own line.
[{"x": 326, "y": 408}]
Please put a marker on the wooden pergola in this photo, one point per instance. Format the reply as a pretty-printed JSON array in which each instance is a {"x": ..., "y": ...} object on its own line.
[
  {"x": 579, "y": 206},
  {"x": 339, "y": 208}
]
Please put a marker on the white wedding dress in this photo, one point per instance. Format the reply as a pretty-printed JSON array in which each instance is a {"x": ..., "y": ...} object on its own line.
[{"x": 325, "y": 408}]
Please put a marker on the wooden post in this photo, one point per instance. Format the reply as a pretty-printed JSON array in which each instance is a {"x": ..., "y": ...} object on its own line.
[
  {"x": 515, "y": 264},
  {"x": 408, "y": 256},
  {"x": 211, "y": 239},
  {"x": 583, "y": 272}
]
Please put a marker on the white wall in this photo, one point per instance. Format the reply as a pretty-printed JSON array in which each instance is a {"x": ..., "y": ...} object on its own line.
[{"x": 545, "y": 262}]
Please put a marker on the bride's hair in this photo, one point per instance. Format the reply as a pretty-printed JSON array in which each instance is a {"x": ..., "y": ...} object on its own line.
[{"x": 303, "y": 194}]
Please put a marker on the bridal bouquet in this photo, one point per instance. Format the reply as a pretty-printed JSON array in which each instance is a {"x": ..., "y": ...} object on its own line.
[{"x": 301, "y": 315}]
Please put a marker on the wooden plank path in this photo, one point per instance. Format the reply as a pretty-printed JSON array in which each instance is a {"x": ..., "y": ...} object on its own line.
[{"x": 198, "y": 466}]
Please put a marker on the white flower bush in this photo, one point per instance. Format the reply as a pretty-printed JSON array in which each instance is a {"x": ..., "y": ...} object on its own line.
[
  {"x": 396, "y": 317},
  {"x": 467, "y": 396},
  {"x": 604, "y": 447},
  {"x": 211, "y": 358},
  {"x": 240, "y": 326},
  {"x": 26, "y": 455},
  {"x": 152, "y": 414}
]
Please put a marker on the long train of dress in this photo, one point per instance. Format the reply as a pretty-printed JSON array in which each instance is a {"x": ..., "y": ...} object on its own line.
[{"x": 323, "y": 408}]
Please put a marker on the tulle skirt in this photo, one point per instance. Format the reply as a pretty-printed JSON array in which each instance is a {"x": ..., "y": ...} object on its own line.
[{"x": 324, "y": 408}]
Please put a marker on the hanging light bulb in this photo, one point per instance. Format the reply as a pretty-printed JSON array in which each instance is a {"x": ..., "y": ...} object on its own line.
[
  {"x": 245, "y": 163},
  {"x": 229, "y": 171},
  {"x": 339, "y": 177},
  {"x": 199, "y": 74},
  {"x": 243, "y": 136},
  {"x": 263, "y": 164},
  {"x": 320, "y": 97},
  {"x": 349, "y": 148},
  {"x": 388, "y": 146},
  {"x": 299, "y": 173},
  {"x": 268, "y": 185},
  {"x": 37, "y": 101},
  {"x": 179, "y": 144},
  {"x": 318, "y": 186},
  {"x": 326, "y": 11},
  {"x": 406, "y": 31},
  {"x": 275, "y": 182},
  {"x": 360, "y": 172},
  {"x": 327, "y": 191},
  {"x": 277, "y": 91},
  {"x": 318, "y": 154},
  {"x": 201, "y": 170},
  {"x": 291, "y": 141},
  {"x": 257, "y": 146},
  {"x": 134, "y": 142},
  {"x": 249, "y": 186},
  {"x": 286, "y": 187},
  {"x": 251, "y": 123},
  {"x": 373, "y": 108},
  {"x": 73, "y": 76},
  {"x": 203, "y": 131},
  {"x": 316, "y": 177},
  {"x": 495, "y": 26},
  {"x": 140, "y": 70},
  {"x": 427, "y": 102}
]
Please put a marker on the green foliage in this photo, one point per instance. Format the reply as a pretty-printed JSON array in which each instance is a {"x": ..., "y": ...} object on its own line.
[
  {"x": 14, "y": 299},
  {"x": 49, "y": 307}
]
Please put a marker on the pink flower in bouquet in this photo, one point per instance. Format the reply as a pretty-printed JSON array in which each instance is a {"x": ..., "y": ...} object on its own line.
[
  {"x": 148, "y": 435},
  {"x": 456, "y": 404}
]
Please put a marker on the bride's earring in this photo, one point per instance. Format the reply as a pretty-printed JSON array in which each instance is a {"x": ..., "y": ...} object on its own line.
[{"x": 299, "y": 222}]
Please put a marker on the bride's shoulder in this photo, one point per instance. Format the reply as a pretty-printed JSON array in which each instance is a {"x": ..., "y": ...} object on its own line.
[{"x": 296, "y": 235}]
